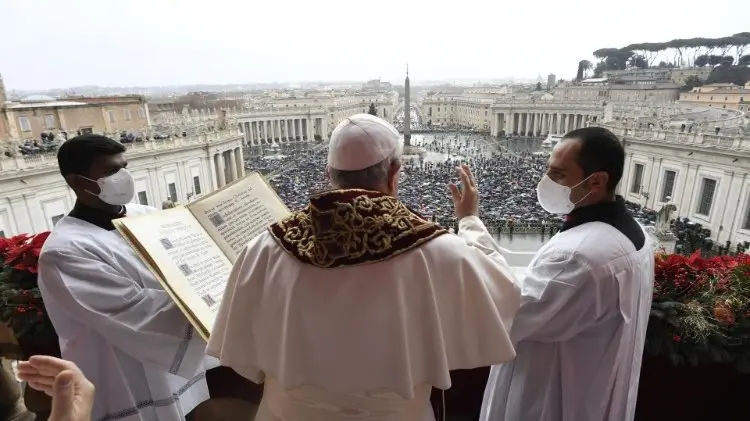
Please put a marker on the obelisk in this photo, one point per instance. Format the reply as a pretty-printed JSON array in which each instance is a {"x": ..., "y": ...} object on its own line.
[{"x": 407, "y": 109}]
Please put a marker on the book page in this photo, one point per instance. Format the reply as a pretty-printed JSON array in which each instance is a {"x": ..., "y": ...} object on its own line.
[
  {"x": 191, "y": 266},
  {"x": 239, "y": 212}
]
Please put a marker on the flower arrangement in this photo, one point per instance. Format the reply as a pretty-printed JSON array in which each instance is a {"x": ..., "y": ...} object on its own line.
[
  {"x": 21, "y": 306},
  {"x": 700, "y": 312}
]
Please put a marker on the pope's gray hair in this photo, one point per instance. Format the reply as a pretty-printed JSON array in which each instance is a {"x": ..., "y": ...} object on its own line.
[{"x": 370, "y": 178}]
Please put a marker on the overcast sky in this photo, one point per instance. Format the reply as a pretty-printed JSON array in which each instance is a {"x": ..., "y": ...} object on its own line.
[{"x": 64, "y": 43}]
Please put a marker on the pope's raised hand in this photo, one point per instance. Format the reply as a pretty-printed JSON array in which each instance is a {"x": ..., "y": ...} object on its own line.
[
  {"x": 72, "y": 393},
  {"x": 466, "y": 198}
]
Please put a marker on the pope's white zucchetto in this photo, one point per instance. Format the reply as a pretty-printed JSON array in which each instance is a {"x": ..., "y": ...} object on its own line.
[{"x": 360, "y": 142}]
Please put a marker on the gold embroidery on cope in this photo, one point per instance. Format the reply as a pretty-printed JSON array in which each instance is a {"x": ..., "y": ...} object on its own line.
[{"x": 352, "y": 227}]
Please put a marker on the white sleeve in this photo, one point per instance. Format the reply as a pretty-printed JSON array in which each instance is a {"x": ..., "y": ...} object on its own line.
[
  {"x": 478, "y": 298},
  {"x": 560, "y": 297},
  {"x": 144, "y": 323}
]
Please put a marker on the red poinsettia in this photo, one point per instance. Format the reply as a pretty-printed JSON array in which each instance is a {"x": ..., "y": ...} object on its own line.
[{"x": 22, "y": 252}]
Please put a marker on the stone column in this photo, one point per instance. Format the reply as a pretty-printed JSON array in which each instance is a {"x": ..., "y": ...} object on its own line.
[
  {"x": 545, "y": 122},
  {"x": 220, "y": 171},
  {"x": 239, "y": 162},
  {"x": 233, "y": 164},
  {"x": 527, "y": 126},
  {"x": 252, "y": 132},
  {"x": 294, "y": 128},
  {"x": 310, "y": 136}
]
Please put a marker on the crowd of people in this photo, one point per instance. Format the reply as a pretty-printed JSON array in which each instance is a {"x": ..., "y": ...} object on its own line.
[{"x": 507, "y": 177}]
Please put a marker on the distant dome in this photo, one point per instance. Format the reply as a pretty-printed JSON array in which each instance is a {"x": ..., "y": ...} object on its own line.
[{"x": 37, "y": 98}]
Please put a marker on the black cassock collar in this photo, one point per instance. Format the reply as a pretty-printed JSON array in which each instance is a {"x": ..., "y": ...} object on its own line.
[
  {"x": 95, "y": 216},
  {"x": 613, "y": 213}
]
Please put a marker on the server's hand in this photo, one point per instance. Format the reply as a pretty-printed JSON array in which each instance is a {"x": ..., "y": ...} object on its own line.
[{"x": 72, "y": 393}]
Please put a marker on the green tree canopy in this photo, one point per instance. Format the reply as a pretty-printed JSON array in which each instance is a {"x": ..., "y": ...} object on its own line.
[
  {"x": 683, "y": 51},
  {"x": 372, "y": 110}
]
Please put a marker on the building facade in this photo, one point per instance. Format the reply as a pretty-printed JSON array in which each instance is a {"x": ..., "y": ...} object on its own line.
[
  {"x": 652, "y": 92},
  {"x": 719, "y": 95},
  {"x": 707, "y": 177},
  {"x": 534, "y": 115},
  {"x": 287, "y": 117},
  {"x": 35, "y": 196},
  {"x": 34, "y": 115}
]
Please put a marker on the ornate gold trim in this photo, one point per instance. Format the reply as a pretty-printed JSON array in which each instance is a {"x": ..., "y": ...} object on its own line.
[{"x": 352, "y": 227}]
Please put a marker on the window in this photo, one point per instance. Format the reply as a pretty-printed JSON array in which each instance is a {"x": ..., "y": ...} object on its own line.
[
  {"x": 56, "y": 219},
  {"x": 128, "y": 116},
  {"x": 707, "y": 197},
  {"x": 49, "y": 121},
  {"x": 24, "y": 123},
  {"x": 111, "y": 116},
  {"x": 172, "y": 191},
  {"x": 635, "y": 186},
  {"x": 196, "y": 184},
  {"x": 746, "y": 222},
  {"x": 87, "y": 130},
  {"x": 141, "y": 112},
  {"x": 142, "y": 198},
  {"x": 668, "y": 185}
]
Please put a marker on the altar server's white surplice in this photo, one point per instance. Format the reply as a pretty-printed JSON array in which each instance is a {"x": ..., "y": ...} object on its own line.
[
  {"x": 118, "y": 324},
  {"x": 365, "y": 341},
  {"x": 580, "y": 332}
]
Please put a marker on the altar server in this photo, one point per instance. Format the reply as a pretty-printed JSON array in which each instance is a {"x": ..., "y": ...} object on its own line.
[
  {"x": 586, "y": 297},
  {"x": 114, "y": 319},
  {"x": 355, "y": 307}
]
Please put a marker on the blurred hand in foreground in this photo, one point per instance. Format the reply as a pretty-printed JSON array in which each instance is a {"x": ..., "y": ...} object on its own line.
[
  {"x": 465, "y": 198},
  {"x": 72, "y": 393}
]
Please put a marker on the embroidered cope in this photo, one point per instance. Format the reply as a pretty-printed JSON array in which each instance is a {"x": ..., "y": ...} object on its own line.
[{"x": 351, "y": 227}]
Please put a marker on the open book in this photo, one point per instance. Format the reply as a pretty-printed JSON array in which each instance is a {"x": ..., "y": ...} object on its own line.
[{"x": 191, "y": 249}]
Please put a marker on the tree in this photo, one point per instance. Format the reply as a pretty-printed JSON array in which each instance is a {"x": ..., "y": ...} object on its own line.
[
  {"x": 744, "y": 60},
  {"x": 691, "y": 82},
  {"x": 638, "y": 61},
  {"x": 701, "y": 60},
  {"x": 583, "y": 67},
  {"x": 539, "y": 86},
  {"x": 599, "y": 69},
  {"x": 372, "y": 110},
  {"x": 714, "y": 60}
]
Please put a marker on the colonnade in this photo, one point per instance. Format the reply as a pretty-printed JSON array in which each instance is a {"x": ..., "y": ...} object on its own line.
[
  {"x": 229, "y": 166},
  {"x": 271, "y": 130},
  {"x": 539, "y": 123}
]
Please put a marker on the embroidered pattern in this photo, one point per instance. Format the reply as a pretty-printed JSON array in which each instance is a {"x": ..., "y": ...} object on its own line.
[
  {"x": 182, "y": 350},
  {"x": 154, "y": 403},
  {"x": 352, "y": 227}
]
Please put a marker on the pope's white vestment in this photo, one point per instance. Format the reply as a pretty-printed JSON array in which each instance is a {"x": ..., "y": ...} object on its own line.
[
  {"x": 116, "y": 322},
  {"x": 365, "y": 341},
  {"x": 580, "y": 332}
]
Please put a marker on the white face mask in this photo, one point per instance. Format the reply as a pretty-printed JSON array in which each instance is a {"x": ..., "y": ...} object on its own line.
[
  {"x": 116, "y": 189},
  {"x": 555, "y": 198}
]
